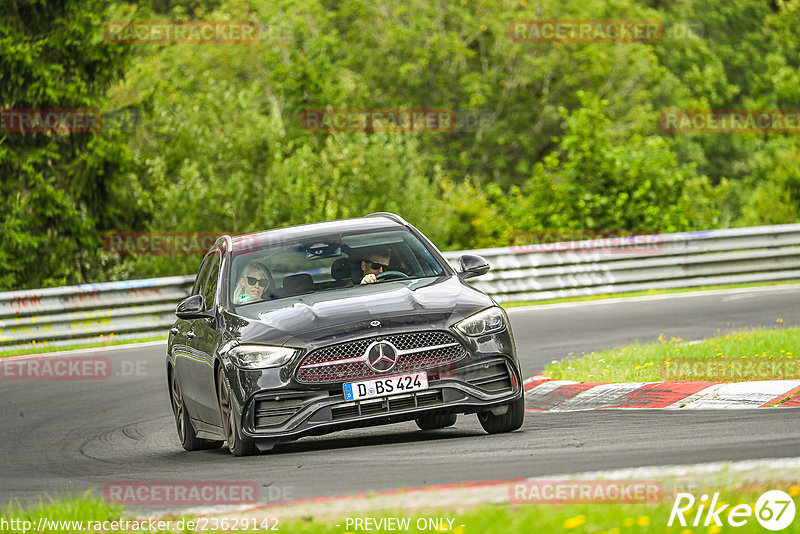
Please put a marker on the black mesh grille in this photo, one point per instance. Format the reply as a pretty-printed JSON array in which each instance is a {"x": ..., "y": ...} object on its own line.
[
  {"x": 275, "y": 409},
  {"x": 345, "y": 371},
  {"x": 491, "y": 376},
  {"x": 388, "y": 405},
  {"x": 271, "y": 412}
]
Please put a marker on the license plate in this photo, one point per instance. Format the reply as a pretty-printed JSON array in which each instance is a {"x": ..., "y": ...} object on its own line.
[{"x": 391, "y": 385}]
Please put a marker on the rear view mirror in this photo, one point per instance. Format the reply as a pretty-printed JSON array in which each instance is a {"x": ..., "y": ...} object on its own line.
[{"x": 323, "y": 250}]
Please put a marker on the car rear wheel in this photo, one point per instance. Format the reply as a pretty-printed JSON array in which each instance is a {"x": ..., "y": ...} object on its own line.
[
  {"x": 507, "y": 422},
  {"x": 432, "y": 422},
  {"x": 238, "y": 445},
  {"x": 186, "y": 434}
]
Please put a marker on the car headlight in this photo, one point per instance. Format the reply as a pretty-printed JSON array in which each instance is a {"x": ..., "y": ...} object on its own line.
[
  {"x": 486, "y": 322},
  {"x": 260, "y": 356}
]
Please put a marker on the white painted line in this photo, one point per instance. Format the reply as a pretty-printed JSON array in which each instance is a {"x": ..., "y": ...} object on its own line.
[
  {"x": 75, "y": 352},
  {"x": 646, "y": 298},
  {"x": 758, "y": 467},
  {"x": 737, "y": 395},
  {"x": 598, "y": 396}
]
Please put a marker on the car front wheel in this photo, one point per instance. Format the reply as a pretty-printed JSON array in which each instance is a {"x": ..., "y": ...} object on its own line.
[
  {"x": 507, "y": 422},
  {"x": 238, "y": 445},
  {"x": 432, "y": 422}
]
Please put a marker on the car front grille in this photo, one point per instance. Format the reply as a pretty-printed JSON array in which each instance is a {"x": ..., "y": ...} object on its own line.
[
  {"x": 388, "y": 405},
  {"x": 417, "y": 351}
]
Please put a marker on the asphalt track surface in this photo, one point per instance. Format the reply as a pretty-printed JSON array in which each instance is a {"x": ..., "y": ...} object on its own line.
[{"x": 70, "y": 436}]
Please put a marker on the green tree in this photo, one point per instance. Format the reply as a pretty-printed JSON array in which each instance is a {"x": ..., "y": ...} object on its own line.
[
  {"x": 230, "y": 155},
  {"x": 744, "y": 55},
  {"x": 598, "y": 180},
  {"x": 57, "y": 193}
]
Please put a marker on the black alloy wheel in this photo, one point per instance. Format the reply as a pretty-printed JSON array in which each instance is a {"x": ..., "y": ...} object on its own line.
[
  {"x": 186, "y": 433},
  {"x": 237, "y": 444}
]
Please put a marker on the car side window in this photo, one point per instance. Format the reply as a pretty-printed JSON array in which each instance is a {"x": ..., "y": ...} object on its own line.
[
  {"x": 201, "y": 275},
  {"x": 210, "y": 287}
]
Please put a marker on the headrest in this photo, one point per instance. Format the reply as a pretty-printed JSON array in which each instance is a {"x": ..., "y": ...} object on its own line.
[
  {"x": 298, "y": 283},
  {"x": 341, "y": 269}
]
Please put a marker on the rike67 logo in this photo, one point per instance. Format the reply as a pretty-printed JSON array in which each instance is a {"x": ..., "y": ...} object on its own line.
[{"x": 774, "y": 510}]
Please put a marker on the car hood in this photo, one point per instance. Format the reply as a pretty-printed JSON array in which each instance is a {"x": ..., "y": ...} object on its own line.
[{"x": 328, "y": 315}]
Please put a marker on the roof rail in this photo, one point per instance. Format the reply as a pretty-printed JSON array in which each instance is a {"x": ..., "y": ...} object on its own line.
[{"x": 396, "y": 218}]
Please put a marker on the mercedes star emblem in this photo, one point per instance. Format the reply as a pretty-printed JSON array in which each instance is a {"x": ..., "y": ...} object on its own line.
[{"x": 381, "y": 356}]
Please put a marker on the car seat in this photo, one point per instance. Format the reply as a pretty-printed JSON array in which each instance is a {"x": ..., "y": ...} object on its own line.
[
  {"x": 295, "y": 284},
  {"x": 345, "y": 271}
]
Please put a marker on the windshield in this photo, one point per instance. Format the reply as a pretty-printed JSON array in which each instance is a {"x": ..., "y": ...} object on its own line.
[{"x": 328, "y": 262}]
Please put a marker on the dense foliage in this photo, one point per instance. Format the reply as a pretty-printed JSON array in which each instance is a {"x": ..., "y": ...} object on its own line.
[
  {"x": 569, "y": 137},
  {"x": 58, "y": 191}
]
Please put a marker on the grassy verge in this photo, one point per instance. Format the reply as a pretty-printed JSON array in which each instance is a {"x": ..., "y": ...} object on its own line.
[
  {"x": 83, "y": 507},
  {"x": 39, "y": 348},
  {"x": 603, "y": 296},
  {"x": 605, "y": 518},
  {"x": 742, "y": 356},
  {"x": 600, "y": 518}
]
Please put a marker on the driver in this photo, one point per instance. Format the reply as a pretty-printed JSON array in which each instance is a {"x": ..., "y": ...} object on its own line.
[
  {"x": 375, "y": 262},
  {"x": 253, "y": 284}
]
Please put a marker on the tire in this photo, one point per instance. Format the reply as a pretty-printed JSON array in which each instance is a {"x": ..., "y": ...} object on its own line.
[
  {"x": 432, "y": 422},
  {"x": 508, "y": 422},
  {"x": 237, "y": 444},
  {"x": 186, "y": 433}
]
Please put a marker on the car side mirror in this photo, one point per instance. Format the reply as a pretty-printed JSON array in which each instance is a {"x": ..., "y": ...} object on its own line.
[
  {"x": 472, "y": 266},
  {"x": 193, "y": 307}
]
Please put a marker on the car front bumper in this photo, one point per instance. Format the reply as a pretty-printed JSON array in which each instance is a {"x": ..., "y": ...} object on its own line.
[{"x": 478, "y": 385}]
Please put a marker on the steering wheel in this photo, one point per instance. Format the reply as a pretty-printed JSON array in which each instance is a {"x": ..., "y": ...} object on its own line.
[{"x": 391, "y": 275}]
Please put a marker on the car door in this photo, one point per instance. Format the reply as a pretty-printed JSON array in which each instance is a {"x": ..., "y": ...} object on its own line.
[
  {"x": 185, "y": 347},
  {"x": 207, "y": 337}
]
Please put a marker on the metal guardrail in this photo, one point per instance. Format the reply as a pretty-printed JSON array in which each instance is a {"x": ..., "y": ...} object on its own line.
[
  {"x": 678, "y": 260},
  {"x": 139, "y": 308},
  {"x": 91, "y": 312}
]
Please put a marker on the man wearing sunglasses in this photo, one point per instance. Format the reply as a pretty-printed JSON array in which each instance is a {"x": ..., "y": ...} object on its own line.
[{"x": 374, "y": 263}]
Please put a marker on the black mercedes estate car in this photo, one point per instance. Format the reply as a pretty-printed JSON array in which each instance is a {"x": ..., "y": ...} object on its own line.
[{"x": 311, "y": 329}]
